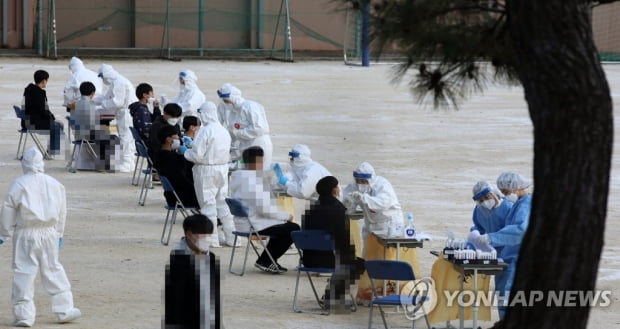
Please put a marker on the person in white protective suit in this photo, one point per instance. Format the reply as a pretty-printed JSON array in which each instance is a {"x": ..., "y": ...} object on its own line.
[
  {"x": 119, "y": 95},
  {"x": 223, "y": 109},
  {"x": 246, "y": 122},
  {"x": 376, "y": 198},
  {"x": 33, "y": 214},
  {"x": 79, "y": 74},
  {"x": 305, "y": 173},
  {"x": 190, "y": 98},
  {"x": 210, "y": 153}
]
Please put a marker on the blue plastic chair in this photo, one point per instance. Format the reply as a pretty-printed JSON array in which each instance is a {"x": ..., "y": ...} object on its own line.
[
  {"x": 147, "y": 181},
  {"x": 178, "y": 206},
  {"x": 397, "y": 271},
  {"x": 23, "y": 137},
  {"x": 237, "y": 209},
  {"x": 317, "y": 240},
  {"x": 140, "y": 160}
]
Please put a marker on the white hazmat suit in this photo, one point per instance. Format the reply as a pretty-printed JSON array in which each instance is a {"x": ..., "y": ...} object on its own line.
[
  {"x": 304, "y": 174},
  {"x": 190, "y": 97},
  {"x": 247, "y": 123},
  {"x": 119, "y": 95},
  {"x": 79, "y": 74},
  {"x": 34, "y": 213},
  {"x": 378, "y": 201},
  {"x": 210, "y": 153}
]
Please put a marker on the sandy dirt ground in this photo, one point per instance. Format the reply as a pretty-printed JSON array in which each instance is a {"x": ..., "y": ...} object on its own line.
[{"x": 346, "y": 115}]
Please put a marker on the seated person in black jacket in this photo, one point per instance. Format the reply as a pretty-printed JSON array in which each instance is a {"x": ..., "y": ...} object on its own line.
[
  {"x": 329, "y": 214},
  {"x": 37, "y": 112},
  {"x": 170, "y": 118},
  {"x": 174, "y": 166}
]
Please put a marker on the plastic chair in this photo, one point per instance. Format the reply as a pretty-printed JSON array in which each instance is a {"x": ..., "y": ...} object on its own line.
[
  {"x": 239, "y": 210},
  {"x": 398, "y": 271},
  {"x": 82, "y": 142},
  {"x": 318, "y": 240},
  {"x": 148, "y": 173},
  {"x": 23, "y": 137},
  {"x": 140, "y": 160},
  {"x": 178, "y": 206}
]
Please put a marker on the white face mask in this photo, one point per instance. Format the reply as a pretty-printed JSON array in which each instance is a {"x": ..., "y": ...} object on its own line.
[
  {"x": 203, "y": 244},
  {"x": 151, "y": 100},
  {"x": 172, "y": 121},
  {"x": 363, "y": 188},
  {"x": 176, "y": 144},
  {"x": 512, "y": 198},
  {"x": 489, "y": 203}
]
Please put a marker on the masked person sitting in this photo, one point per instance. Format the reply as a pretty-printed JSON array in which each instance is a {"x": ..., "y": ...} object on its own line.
[
  {"x": 171, "y": 115},
  {"x": 192, "y": 288},
  {"x": 172, "y": 164},
  {"x": 266, "y": 218},
  {"x": 329, "y": 214}
]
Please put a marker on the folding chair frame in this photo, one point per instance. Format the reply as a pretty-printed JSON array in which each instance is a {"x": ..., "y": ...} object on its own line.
[
  {"x": 21, "y": 147},
  {"x": 176, "y": 208},
  {"x": 148, "y": 173},
  {"x": 416, "y": 300},
  {"x": 249, "y": 235},
  {"x": 324, "y": 246},
  {"x": 140, "y": 159}
]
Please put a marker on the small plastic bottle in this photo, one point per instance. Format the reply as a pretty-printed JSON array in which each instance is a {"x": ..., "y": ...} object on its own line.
[{"x": 410, "y": 229}]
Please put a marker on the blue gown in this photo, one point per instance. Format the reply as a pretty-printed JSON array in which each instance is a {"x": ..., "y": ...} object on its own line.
[{"x": 510, "y": 238}]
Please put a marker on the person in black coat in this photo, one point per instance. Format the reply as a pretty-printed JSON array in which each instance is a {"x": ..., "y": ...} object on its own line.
[
  {"x": 170, "y": 118},
  {"x": 173, "y": 166},
  {"x": 329, "y": 214},
  {"x": 37, "y": 113}
]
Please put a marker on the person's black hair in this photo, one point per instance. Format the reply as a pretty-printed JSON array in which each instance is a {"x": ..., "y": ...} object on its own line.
[
  {"x": 87, "y": 88},
  {"x": 41, "y": 75},
  {"x": 251, "y": 153},
  {"x": 188, "y": 121},
  {"x": 143, "y": 88},
  {"x": 325, "y": 185},
  {"x": 198, "y": 224},
  {"x": 165, "y": 132},
  {"x": 173, "y": 109}
]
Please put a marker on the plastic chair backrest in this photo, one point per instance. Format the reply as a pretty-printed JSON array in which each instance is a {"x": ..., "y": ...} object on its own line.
[
  {"x": 313, "y": 240},
  {"x": 165, "y": 183},
  {"x": 237, "y": 208},
  {"x": 389, "y": 270},
  {"x": 19, "y": 112},
  {"x": 141, "y": 150},
  {"x": 135, "y": 134}
]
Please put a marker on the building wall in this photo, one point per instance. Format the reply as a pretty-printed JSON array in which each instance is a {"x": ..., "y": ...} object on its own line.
[{"x": 219, "y": 24}]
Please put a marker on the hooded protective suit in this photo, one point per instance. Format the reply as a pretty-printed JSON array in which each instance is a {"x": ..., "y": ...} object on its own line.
[
  {"x": 119, "y": 95},
  {"x": 489, "y": 220},
  {"x": 190, "y": 98},
  {"x": 304, "y": 174},
  {"x": 79, "y": 74},
  {"x": 380, "y": 205},
  {"x": 34, "y": 213},
  {"x": 210, "y": 153},
  {"x": 247, "y": 123}
]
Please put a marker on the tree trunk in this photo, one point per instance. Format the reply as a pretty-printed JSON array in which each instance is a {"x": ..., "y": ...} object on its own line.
[{"x": 571, "y": 110}]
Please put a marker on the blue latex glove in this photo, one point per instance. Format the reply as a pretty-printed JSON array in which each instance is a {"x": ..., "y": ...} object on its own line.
[
  {"x": 277, "y": 170},
  {"x": 282, "y": 180},
  {"x": 187, "y": 141},
  {"x": 60, "y": 241},
  {"x": 182, "y": 149},
  {"x": 1, "y": 241}
]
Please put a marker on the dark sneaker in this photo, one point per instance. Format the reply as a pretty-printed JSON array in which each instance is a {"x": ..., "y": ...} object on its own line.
[
  {"x": 282, "y": 268},
  {"x": 269, "y": 268}
]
